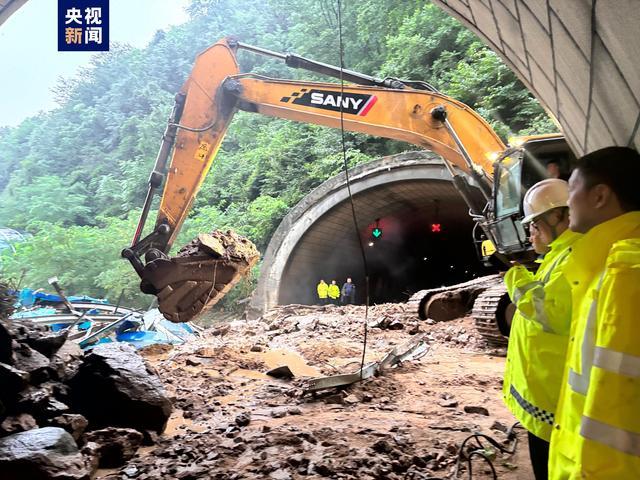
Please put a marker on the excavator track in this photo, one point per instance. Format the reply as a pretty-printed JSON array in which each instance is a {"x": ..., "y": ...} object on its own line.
[
  {"x": 492, "y": 312},
  {"x": 486, "y": 298}
]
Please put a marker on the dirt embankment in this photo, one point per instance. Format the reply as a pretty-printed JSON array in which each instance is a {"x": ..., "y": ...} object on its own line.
[{"x": 235, "y": 422}]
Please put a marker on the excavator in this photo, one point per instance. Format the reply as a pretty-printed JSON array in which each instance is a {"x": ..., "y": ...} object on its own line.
[{"x": 490, "y": 176}]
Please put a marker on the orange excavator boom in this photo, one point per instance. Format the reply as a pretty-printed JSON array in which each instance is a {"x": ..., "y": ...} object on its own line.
[{"x": 412, "y": 112}]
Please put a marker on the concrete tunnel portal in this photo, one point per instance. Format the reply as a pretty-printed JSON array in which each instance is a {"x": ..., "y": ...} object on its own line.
[{"x": 426, "y": 235}]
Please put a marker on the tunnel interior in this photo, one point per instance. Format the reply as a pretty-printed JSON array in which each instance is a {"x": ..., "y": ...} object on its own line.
[{"x": 425, "y": 242}]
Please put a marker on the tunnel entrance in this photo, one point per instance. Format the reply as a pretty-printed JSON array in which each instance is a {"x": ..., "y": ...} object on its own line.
[{"x": 424, "y": 235}]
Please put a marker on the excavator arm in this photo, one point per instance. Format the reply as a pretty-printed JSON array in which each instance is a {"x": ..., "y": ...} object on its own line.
[{"x": 412, "y": 112}]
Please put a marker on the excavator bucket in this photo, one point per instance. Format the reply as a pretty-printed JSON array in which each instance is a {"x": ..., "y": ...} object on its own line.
[{"x": 200, "y": 275}]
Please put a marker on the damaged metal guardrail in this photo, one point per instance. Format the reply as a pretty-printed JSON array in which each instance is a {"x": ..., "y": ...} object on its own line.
[{"x": 412, "y": 350}]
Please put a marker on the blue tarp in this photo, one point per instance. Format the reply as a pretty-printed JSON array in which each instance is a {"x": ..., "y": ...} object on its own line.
[{"x": 28, "y": 298}]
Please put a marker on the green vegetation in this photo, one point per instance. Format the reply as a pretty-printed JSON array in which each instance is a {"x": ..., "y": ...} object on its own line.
[{"x": 74, "y": 177}]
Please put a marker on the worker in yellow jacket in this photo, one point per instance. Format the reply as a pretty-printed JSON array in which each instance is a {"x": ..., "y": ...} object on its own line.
[
  {"x": 334, "y": 292},
  {"x": 597, "y": 428},
  {"x": 323, "y": 292},
  {"x": 540, "y": 327}
]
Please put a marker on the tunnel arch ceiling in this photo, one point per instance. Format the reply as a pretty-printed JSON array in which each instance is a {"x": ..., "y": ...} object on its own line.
[
  {"x": 578, "y": 57},
  {"x": 408, "y": 193}
]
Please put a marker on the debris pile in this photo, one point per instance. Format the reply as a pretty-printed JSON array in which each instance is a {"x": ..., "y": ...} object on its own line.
[
  {"x": 54, "y": 398},
  {"x": 244, "y": 408}
]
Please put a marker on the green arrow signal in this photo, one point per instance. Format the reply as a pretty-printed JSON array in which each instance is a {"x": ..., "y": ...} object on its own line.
[{"x": 376, "y": 232}]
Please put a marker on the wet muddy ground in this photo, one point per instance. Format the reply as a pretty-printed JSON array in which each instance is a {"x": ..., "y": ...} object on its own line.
[{"x": 232, "y": 421}]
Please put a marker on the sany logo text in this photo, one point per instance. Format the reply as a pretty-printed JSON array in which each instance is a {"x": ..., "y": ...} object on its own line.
[{"x": 349, "y": 103}]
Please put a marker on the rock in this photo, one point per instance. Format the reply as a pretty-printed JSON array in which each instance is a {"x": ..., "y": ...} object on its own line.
[
  {"x": 192, "y": 472},
  {"x": 395, "y": 325},
  {"x": 278, "y": 412},
  {"x": 65, "y": 362},
  {"x": 280, "y": 474},
  {"x": 41, "y": 454},
  {"x": 113, "y": 387},
  {"x": 31, "y": 361},
  {"x": 382, "y": 446},
  {"x": 337, "y": 397},
  {"x": 221, "y": 330},
  {"x": 47, "y": 343},
  {"x": 18, "y": 423},
  {"x": 283, "y": 372},
  {"x": 476, "y": 409},
  {"x": 449, "y": 403},
  {"x": 193, "y": 362},
  {"x": 256, "y": 348},
  {"x": 351, "y": 399},
  {"x": 73, "y": 423},
  {"x": 243, "y": 419},
  {"x": 294, "y": 411},
  {"x": 500, "y": 427},
  {"x": 13, "y": 381},
  {"x": 113, "y": 446},
  {"x": 41, "y": 402}
]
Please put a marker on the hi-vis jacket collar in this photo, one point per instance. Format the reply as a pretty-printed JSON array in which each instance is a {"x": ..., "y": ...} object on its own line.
[{"x": 590, "y": 252}]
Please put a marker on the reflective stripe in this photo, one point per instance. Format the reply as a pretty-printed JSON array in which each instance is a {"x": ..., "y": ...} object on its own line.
[
  {"x": 579, "y": 382},
  {"x": 541, "y": 314},
  {"x": 617, "y": 362},
  {"x": 538, "y": 413},
  {"x": 617, "y": 438},
  {"x": 520, "y": 291}
]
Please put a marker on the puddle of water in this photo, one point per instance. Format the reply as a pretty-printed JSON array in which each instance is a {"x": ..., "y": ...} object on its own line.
[
  {"x": 253, "y": 374},
  {"x": 297, "y": 364},
  {"x": 177, "y": 424}
]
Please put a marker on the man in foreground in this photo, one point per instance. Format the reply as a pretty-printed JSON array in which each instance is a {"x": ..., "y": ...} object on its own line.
[
  {"x": 596, "y": 433},
  {"x": 540, "y": 327}
]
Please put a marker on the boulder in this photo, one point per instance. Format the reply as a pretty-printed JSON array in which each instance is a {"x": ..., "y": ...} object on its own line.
[
  {"x": 31, "y": 361},
  {"x": 113, "y": 447},
  {"x": 114, "y": 387},
  {"x": 41, "y": 454}
]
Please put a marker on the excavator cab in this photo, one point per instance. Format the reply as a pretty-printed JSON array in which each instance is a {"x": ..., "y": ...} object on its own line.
[{"x": 527, "y": 161}]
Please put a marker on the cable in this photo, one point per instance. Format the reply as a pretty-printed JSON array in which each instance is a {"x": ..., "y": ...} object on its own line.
[
  {"x": 481, "y": 451},
  {"x": 353, "y": 207}
]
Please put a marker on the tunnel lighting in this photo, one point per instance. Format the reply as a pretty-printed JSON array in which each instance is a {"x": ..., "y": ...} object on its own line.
[
  {"x": 425, "y": 259},
  {"x": 371, "y": 244}
]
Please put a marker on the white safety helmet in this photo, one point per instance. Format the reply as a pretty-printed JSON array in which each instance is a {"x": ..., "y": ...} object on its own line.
[{"x": 544, "y": 196}]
